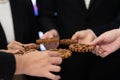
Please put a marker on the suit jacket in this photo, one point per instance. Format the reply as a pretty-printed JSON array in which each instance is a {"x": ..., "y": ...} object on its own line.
[
  {"x": 7, "y": 66},
  {"x": 24, "y": 22},
  {"x": 73, "y": 16},
  {"x": 69, "y": 16}
]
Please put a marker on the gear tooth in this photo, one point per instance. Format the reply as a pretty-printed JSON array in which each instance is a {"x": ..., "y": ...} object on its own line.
[{"x": 81, "y": 48}]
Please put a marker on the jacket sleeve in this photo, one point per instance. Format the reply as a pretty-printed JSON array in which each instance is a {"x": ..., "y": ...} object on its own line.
[{"x": 7, "y": 66}]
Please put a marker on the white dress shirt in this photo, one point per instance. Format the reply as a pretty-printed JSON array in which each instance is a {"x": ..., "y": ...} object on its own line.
[
  {"x": 6, "y": 20},
  {"x": 87, "y": 3}
]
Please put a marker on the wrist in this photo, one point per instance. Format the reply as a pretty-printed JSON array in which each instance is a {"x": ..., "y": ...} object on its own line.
[{"x": 19, "y": 65}]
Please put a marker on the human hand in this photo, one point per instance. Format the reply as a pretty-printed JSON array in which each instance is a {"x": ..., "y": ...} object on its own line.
[
  {"x": 84, "y": 36},
  {"x": 40, "y": 64},
  {"x": 51, "y": 34},
  {"x": 107, "y": 43},
  {"x": 15, "y": 45}
]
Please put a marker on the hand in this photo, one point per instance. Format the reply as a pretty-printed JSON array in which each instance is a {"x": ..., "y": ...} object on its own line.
[
  {"x": 51, "y": 34},
  {"x": 107, "y": 43},
  {"x": 15, "y": 45},
  {"x": 84, "y": 36},
  {"x": 39, "y": 64}
]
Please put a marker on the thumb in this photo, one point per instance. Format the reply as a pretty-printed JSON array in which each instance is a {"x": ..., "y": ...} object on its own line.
[
  {"x": 97, "y": 41},
  {"x": 77, "y": 35}
]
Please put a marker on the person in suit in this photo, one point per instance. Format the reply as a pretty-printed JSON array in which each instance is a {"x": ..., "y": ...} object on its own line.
[
  {"x": 42, "y": 64},
  {"x": 68, "y": 16},
  {"x": 18, "y": 22},
  {"x": 107, "y": 43}
]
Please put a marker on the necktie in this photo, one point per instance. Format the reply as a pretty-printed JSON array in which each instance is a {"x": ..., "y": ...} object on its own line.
[{"x": 35, "y": 7}]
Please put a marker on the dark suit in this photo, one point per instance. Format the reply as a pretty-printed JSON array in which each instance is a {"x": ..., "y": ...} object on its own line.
[
  {"x": 7, "y": 66},
  {"x": 72, "y": 16}
]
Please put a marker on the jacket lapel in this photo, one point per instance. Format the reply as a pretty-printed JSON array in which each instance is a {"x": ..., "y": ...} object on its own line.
[
  {"x": 94, "y": 4},
  {"x": 82, "y": 6},
  {"x": 91, "y": 3},
  {"x": 3, "y": 41},
  {"x": 17, "y": 19}
]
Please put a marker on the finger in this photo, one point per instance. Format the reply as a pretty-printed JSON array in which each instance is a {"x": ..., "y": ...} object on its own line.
[
  {"x": 96, "y": 51},
  {"x": 76, "y": 36},
  {"x": 10, "y": 51},
  {"x": 99, "y": 51},
  {"x": 15, "y": 43},
  {"x": 52, "y": 76},
  {"x": 54, "y": 68},
  {"x": 2, "y": 50},
  {"x": 98, "y": 40},
  {"x": 11, "y": 44},
  {"x": 54, "y": 54},
  {"x": 104, "y": 54},
  {"x": 16, "y": 47},
  {"x": 57, "y": 77},
  {"x": 56, "y": 60}
]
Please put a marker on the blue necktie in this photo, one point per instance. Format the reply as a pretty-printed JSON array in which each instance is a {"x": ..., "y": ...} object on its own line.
[{"x": 35, "y": 7}]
